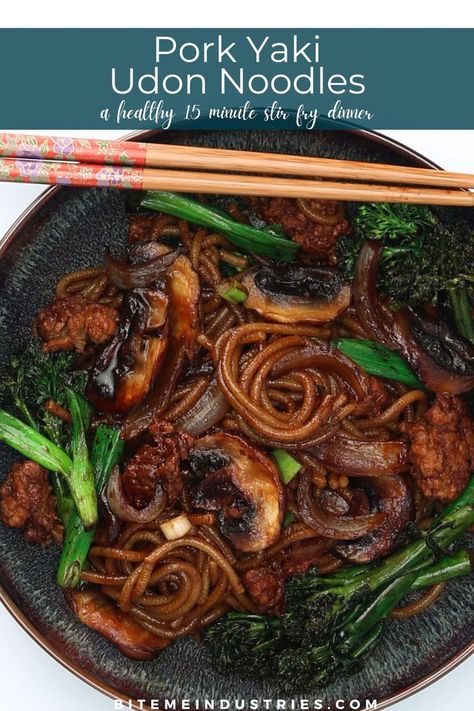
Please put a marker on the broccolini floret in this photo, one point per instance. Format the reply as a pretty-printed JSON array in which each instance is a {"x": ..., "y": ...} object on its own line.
[
  {"x": 426, "y": 259},
  {"x": 32, "y": 378},
  {"x": 331, "y": 623},
  {"x": 242, "y": 639}
]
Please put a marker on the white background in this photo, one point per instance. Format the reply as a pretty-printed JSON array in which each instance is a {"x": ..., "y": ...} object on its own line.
[{"x": 31, "y": 680}]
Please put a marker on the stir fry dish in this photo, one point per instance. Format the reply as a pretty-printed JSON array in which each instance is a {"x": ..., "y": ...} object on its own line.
[{"x": 254, "y": 427}]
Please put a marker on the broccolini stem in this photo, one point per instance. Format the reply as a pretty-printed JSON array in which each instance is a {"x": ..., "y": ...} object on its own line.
[
  {"x": 82, "y": 476},
  {"x": 64, "y": 501},
  {"x": 29, "y": 442},
  {"x": 233, "y": 294},
  {"x": 77, "y": 542},
  {"x": 369, "y": 625},
  {"x": 447, "y": 568},
  {"x": 447, "y": 530},
  {"x": 369, "y": 641},
  {"x": 243, "y": 235},
  {"x": 377, "y": 360},
  {"x": 288, "y": 467},
  {"x": 25, "y": 411},
  {"x": 378, "y": 610},
  {"x": 466, "y": 497},
  {"x": 106, "y": 452}
]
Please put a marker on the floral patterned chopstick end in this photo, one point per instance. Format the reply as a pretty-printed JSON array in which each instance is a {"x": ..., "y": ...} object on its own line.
[
  {"x": 79, "y": 175},
  {"x": 83, "y": 150}
]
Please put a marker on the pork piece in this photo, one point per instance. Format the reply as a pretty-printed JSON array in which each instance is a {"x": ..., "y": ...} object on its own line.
[
  {"x": 265, "y": 587},
  {"x": 157, "y": 462},
  {"x": 69, "y": 323},
  {"x": 27, "y": 501},
  {"x": 314, "y": 237},
  {"x": 441, "y": 452},
  {"x": 265, "y": 584},
  {"x": 376, "y": 401},
  {"x": 99, "y": 613}
]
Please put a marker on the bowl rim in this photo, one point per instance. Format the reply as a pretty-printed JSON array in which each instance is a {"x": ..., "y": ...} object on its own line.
[{"x": 15, "y": 611}]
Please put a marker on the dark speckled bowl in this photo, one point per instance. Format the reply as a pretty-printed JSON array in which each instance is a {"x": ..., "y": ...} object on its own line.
[{"x": 68, "y": 229}]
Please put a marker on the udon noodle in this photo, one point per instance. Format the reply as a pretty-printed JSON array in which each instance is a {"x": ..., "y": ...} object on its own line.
[{"x": 172, "y": 588}]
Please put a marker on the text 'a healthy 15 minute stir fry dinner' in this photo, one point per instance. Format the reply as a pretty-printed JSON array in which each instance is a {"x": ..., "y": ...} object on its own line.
[{"x": 253, "y": 428}]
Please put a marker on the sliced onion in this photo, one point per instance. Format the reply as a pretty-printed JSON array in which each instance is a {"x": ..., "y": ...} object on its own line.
[
  {"x": 357, "y": 458},
  {"x": 394, "y": 497},
  {"x": 122, "y": 508},
  {"x": 128, "y": 276},
  {"x": 206, "y": 412},
  {"x": 329, "y": 524},
  {"x": 376, "y": 319},
  {"x": 112, "y": 524}
]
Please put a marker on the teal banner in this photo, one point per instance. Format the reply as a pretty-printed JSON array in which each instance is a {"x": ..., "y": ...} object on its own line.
[{"x": 245, "y": 78}]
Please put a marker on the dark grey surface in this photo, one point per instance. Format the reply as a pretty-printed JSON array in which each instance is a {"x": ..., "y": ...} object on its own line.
[{"x": 70, "y": 232}]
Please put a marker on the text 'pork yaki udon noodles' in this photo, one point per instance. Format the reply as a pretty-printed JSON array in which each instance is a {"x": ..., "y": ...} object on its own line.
[{"x": 235, "y": 418}]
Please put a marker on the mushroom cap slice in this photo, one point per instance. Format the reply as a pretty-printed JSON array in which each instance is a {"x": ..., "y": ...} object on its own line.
[
  {"x": 182, "y": 288},
  {"x": 125, "y": 369},
  {"x": 297, "y": 294},
  {"x": 99, "y": 613},
  {"x": 228, "y": 475}
]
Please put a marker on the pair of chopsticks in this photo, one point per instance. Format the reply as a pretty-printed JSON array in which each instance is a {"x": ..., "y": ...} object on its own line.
[{"x": 147, "y": 166}]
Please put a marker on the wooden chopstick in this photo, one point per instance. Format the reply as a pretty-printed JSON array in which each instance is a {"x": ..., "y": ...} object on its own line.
[
  {"x": 96, "y": 175},
  {"x": 136, "y": 154}
]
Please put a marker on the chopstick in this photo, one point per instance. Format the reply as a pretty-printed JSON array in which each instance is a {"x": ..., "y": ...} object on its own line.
[
  {"x": 162, "y": 155},
  {"x": 125, "y": 177}
]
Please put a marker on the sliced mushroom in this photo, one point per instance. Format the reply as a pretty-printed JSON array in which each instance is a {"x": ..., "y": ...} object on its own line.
[
  {"x": 145, "y": 252},
  {"x": 392, "y": 496},
  {"x": 297, "y": 293},
  {"x": 126, "y": 368},
  {"x": 227, "y": 475},
  {"x": 99, "y": 613},
  {"x": 442, "y": 360},
  {"x": 182, "y": 287}
]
